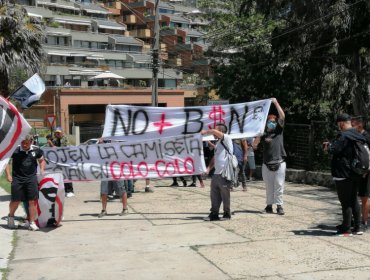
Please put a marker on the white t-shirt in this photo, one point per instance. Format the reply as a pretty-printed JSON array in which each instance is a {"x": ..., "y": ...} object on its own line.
[{"x": 220, "y": 153}]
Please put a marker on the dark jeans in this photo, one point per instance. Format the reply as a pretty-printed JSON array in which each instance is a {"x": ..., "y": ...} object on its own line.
[
  {"x": 347, "y": 194},
  {"x": 220, "y": 193},
  {"x": 68, "y": 187}
]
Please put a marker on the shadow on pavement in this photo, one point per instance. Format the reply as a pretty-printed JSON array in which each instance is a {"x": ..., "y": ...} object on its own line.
[
  {"x": 313, "y": 232},
  {"x": 4, "y": 197}
]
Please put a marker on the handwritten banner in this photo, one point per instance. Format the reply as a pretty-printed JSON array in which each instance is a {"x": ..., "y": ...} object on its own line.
[
  {"x": 13, "y": 129},
  {"x": 159, "y": 158},
  {"x": 139, "y": 122}
]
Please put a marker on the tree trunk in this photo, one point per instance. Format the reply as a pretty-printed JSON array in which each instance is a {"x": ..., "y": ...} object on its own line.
[
  {"x": 4, "y": 84},
  {"x": 358, "y": 101}
]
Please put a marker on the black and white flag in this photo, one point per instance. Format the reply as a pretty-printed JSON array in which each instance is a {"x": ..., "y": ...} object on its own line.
[{"x": 30, "y": 92}]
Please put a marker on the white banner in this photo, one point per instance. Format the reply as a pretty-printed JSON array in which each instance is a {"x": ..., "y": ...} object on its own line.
[
  {"x": 139, "y": 122},
  {"x": 158, "y": 158},
  {"x": 13, "y": 129},
  {"x": 51, "y": 200}
]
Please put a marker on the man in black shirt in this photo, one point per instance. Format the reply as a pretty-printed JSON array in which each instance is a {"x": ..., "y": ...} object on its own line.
[
  {"x": 342, "y": 149},
  {"x": 23, "y": 179},
  {"x": 359, "y": 123}
]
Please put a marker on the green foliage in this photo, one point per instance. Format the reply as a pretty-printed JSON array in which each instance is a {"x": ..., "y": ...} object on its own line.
[
  {"x": 314, "y": 56},
  {"x": 20, "y": 43},
  {"x": 4, "y": 183}
]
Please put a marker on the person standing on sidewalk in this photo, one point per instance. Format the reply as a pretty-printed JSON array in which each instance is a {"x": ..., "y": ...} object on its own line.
[
  {"x": 23, "y": 179},
  {"x": 363, "y": 183},
  {"x": 342, "y": 149},
  {"x": 220, "y": 187},
  {"x": 60, "y": 140},
  {"x": 274, "y": 166}
]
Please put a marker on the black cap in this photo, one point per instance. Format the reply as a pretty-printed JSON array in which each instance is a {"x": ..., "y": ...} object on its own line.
[
  {"x": 343, "y": 117},
  {"x": 359, "y": 118}
]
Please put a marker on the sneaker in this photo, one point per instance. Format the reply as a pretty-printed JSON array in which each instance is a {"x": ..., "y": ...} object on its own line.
[
  {"x": 212, "y": 217},
  {"x": 343, "y": 233},
  {"x": 358, "y": 230},
  {"x": 268, "y": 209},
  {"x": 148, "y": 189},
  {"x": 129, "y": 195},
  {"x": 102, "y": 213},
  {"x": 226, "y": 216},
  {"x": 11, "y": 223},
  {"x": 174, "y": 184},
  {"x": 25, "y": 224},
  {"x": 124, "y": 212},
  {"x": 192, "y": 185},
  {"x": 70, "y": 194},
  {"x": 33, "y": 227},
  {"x": 280, "y": 210}
]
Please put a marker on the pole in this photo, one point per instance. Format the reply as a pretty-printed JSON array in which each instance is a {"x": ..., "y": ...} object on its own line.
[{"x": 155, "y": 56}]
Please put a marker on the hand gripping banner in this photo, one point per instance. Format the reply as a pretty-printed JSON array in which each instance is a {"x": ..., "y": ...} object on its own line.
[
  {"x": 157, "y": 158},
  {"x": 139, "y": 122}
]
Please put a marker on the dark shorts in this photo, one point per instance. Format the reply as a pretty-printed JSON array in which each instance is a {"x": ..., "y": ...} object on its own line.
[
  {"x": 118, "y": 187},
  {"x": 363, "y": 186},
  {"x": 24, "y": 190}
]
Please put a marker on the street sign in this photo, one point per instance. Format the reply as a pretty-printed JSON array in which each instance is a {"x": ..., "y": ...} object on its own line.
[
  {"x": 51, "y": 120},
  {"x": 217, "y": 102}
]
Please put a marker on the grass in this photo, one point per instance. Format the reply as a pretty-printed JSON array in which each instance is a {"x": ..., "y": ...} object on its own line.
[
  {"x": 4, "y": 184},
  {"x": 5, "y": 271}
]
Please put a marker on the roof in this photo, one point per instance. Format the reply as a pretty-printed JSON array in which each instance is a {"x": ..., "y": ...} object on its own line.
[
  {"x": 58, "y": 31},
  {"x": 139, "y": 58},
  {"x": 192, "y": 32},
  {"x": 89, "y": 36},
  {"x": 93, "y": 9},
  {"x": 125, "y": 40},
  {"x": 108, "y": 24},
  {"x": 38, "y": 12},
  {"x": 59, "y": 4},
  {"x": 176, "y": 18},
  {"x": 73, "y": 20}
]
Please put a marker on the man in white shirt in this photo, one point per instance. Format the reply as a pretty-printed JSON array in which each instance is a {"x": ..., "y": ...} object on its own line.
[{"x": 220, "y": 187}]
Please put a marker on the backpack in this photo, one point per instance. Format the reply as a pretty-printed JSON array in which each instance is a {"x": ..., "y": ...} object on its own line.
[
  {"x": 361, "y": 158},
  {"x": 238, "y": 153}
]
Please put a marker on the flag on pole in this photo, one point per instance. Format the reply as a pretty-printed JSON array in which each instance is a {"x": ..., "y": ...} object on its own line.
[
  {"x": 30, "y": 92},
  {"x": 13, "y": 129}
]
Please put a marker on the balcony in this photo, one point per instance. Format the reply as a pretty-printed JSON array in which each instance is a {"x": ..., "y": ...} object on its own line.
[
  {"x": 130, "y": 19},
  {"x": 141, "y": 33}
]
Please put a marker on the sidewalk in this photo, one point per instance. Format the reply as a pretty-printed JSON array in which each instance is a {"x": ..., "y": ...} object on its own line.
[{"x": 164, "y": 237}]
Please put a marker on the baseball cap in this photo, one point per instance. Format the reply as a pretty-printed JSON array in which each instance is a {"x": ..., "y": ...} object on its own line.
[
  {"x": 343, "y": 117},
  {"x": 58, "y": 129}
]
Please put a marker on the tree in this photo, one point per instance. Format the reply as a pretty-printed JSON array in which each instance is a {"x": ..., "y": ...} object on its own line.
[
  {"x": 21, "y": 40},
  {"x": 312, "y": 55}
]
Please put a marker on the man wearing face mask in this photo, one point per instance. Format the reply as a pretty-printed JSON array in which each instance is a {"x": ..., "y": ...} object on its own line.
[{"x": 274, "y": 166}]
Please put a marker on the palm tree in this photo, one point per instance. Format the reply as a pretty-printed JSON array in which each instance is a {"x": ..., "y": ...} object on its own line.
[{"x": 21, "y": 40}]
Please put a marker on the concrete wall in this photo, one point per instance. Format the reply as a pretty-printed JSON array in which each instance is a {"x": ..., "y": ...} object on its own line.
[{"x": 305, "y": 177}]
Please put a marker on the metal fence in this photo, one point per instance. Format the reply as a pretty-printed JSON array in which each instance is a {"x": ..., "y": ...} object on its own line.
[{"x": 303, "y": 145}]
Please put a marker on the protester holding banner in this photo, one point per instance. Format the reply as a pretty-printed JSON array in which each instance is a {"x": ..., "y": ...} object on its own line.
[
  {"x": 60, "y": 140},
  {"x": 274, "y": 166},
  {"x": 23, "y": 179},
  {"x": 220, "y": 187}
]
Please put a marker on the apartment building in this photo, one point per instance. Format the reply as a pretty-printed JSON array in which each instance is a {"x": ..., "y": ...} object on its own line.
[{"x": 84, "y": 39}]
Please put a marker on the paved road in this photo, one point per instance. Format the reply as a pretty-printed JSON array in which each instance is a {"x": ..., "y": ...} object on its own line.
[{"x": 164, "y": 237}]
